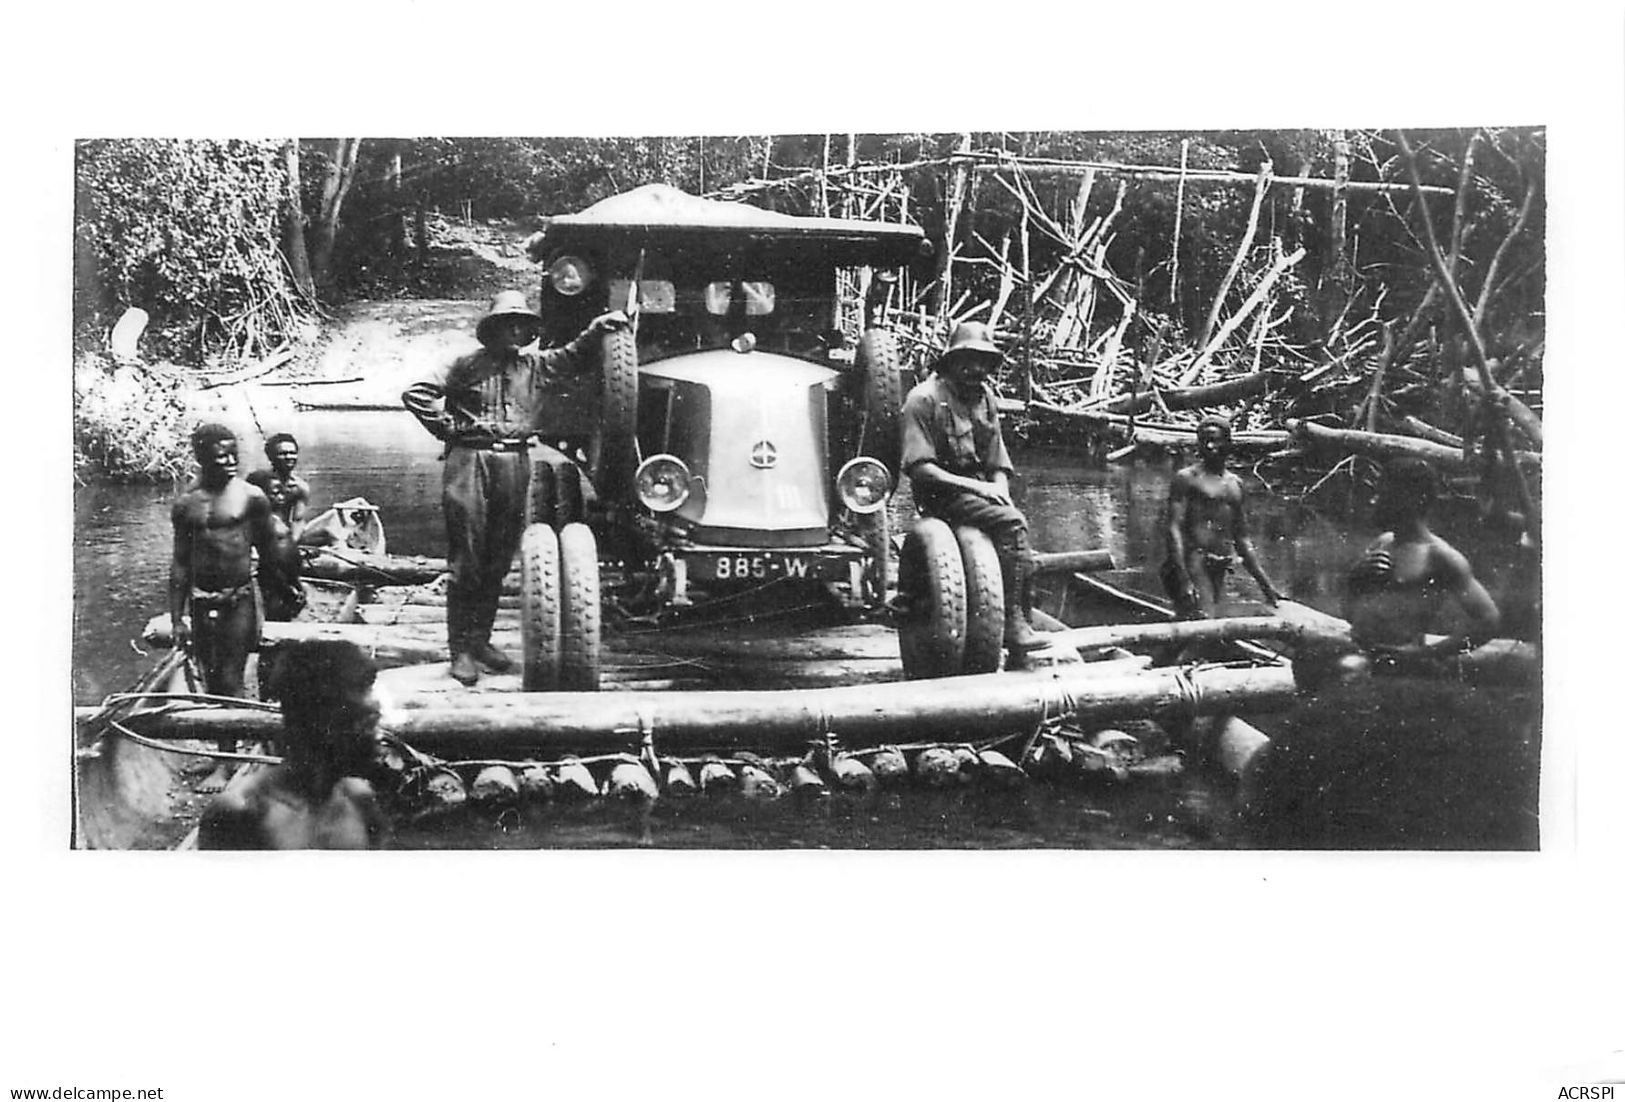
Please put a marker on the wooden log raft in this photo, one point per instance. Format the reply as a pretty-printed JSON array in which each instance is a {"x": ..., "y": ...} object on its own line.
[
  {"x": 979, "y": 706},
  {"x": 336, "y": 565}
]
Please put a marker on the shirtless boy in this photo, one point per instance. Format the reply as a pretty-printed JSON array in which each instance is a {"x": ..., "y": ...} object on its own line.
[
  {"x": 289, "y": 495},
  {"x": 316, "y": 799},
  {"x": 218, "y": 520},
  {"x": 1207, "y": 527},
  {"x": 1397, "y": 591}
]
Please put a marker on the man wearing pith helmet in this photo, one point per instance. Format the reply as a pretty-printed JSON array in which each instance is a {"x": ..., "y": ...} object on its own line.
[
  {"x": 954, "y": 453},
  {"x": 484, "y": 407}
]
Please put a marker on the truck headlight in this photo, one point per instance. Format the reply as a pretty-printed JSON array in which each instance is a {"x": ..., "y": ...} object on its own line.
[
  {"x": 569, "y": 275},
  {"x": 863, "y": 484},
  {"x": 663, "y": 483}
]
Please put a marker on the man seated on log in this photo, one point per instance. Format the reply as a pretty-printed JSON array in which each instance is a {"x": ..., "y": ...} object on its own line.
[
  {"x": 218, "y": 521},
  {"x": 954, "y": 453},
  {"x": 317, "y": 798},
  {"x": 288, "y": 494},
  {"x": 1207, "y": 527},
  {"x": 485, "y": 406},
  {"x": 1396, "y": 592}
]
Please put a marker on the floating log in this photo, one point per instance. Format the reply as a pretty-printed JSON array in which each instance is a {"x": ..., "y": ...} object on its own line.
[
  {"x": 937, "y": 767},
  {"x": 1384, "y": 446},
  {"x": 495, "y": 785},
  {"x": 1166, "y": 436},
  {"x": 442, "y": 791},
  {"x": 1224, "y": 629},
  {"x": 679, "y": 781},
  {"x": 952, "y": 708},
  {"x": 536, "y": 783},
  {"x": 629, "y": 780},
  {"x": 805, "y": 781},
  {"x": 889, "y": 766},
  {"x": 852, "y": 774},
  {"x": 573, "y": 780},
  {"x": 1185, "y": 397},
  {"x": 715, "y": 776},
  {"x": 1069, "y": 562},
  {"x": 758, "y": 784}
]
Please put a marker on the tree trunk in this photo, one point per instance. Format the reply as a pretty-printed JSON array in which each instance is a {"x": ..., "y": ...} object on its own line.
[
  {"x": 1190, "y": 397},
  {"x": 293, "y": 224},
  {"x": 1379, "y": 445},
  {"x": 397, "y": 204},
  {"x": 335, "y": 186},
  {"x": 1336, "y": 276},
  {"x": 979, "y": 706}
]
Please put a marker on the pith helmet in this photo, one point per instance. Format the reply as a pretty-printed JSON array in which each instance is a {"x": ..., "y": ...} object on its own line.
[
  {"x": 507, "y": 304},
  {"x": 969, "y": 336}
]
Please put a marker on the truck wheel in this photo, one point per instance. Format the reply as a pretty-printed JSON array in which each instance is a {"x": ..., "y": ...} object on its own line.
[
  {"x": 881, "y": 366},
  {"x": 931, "y": 585},
  {"x": 580, "y": 629},
  {"x": 539, "y": 608},
  {"x": 542, "y": 494},
  {"x": 877, "y": 542},
  {"x": 984, "y": 601},
  {"x": 614, "y": 445}
]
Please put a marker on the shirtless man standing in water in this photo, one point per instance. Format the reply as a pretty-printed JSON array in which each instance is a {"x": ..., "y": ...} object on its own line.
[
  {"x": 289, "y": 495},
  {"x": 218, "y": 520},
  {"x": 317, "y": 798},
  {"x": 1207, "y": 528},
  {"x": 1396, "y": 592}
]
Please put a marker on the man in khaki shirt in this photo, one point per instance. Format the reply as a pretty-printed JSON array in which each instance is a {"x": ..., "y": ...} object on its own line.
[
  {"x": 484, "y": 407},
  {"x": 954, "y": 453}
]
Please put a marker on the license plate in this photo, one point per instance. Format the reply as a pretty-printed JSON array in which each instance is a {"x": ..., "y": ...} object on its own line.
[{"x": 718, "y": 567}]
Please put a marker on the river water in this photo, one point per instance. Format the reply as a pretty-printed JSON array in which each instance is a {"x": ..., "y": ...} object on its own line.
[{"x": 121, "y": 557}]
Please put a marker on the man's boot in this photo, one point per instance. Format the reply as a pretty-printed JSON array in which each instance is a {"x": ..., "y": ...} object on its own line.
[
  {"x": 480, "y": 636},
  {"x": 1019, "y": 636},
  {"x": 463, "y": 668}
]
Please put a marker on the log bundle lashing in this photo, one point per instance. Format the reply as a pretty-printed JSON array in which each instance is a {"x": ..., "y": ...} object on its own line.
[
  {"x": 1098, "y": 714},
  {"x": 1091, "y": 364}
]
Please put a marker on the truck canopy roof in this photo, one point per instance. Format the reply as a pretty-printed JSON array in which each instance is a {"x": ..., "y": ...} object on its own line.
[{"x": 660, "y": 213}]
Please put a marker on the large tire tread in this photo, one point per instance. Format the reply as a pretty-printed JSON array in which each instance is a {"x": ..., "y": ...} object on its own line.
[
  {"x": 932, "y": 576},
  {"x": 614, "y": 451},
  {"x": 881, "y": 365},
  {"x": 540, "y": 625},
  {"x": 581, "y": 621},
  {"x": 984, "y": 601}
]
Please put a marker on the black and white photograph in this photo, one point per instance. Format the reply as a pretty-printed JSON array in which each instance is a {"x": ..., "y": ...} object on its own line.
[
  {"x": 1132, "y": 489},
  {"x": 1051, "y": 571}
]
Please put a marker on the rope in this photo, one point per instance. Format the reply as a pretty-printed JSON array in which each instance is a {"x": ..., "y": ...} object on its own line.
[
  {"x": 1190, "y": 694},
  {"x": 171, "y": 748},
  {"x": 198, "y": 698}
]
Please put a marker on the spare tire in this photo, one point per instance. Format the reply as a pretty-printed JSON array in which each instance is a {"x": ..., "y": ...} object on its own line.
[
  {"x": 881, "y": 367},
  {"x": 614, "y": 452},
  {"x": 931, "y": 585}
]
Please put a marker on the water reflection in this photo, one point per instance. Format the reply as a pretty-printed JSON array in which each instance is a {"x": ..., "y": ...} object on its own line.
[
  {"x": 121, "y": 562},
  {"x": 122, "y": 534}
]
